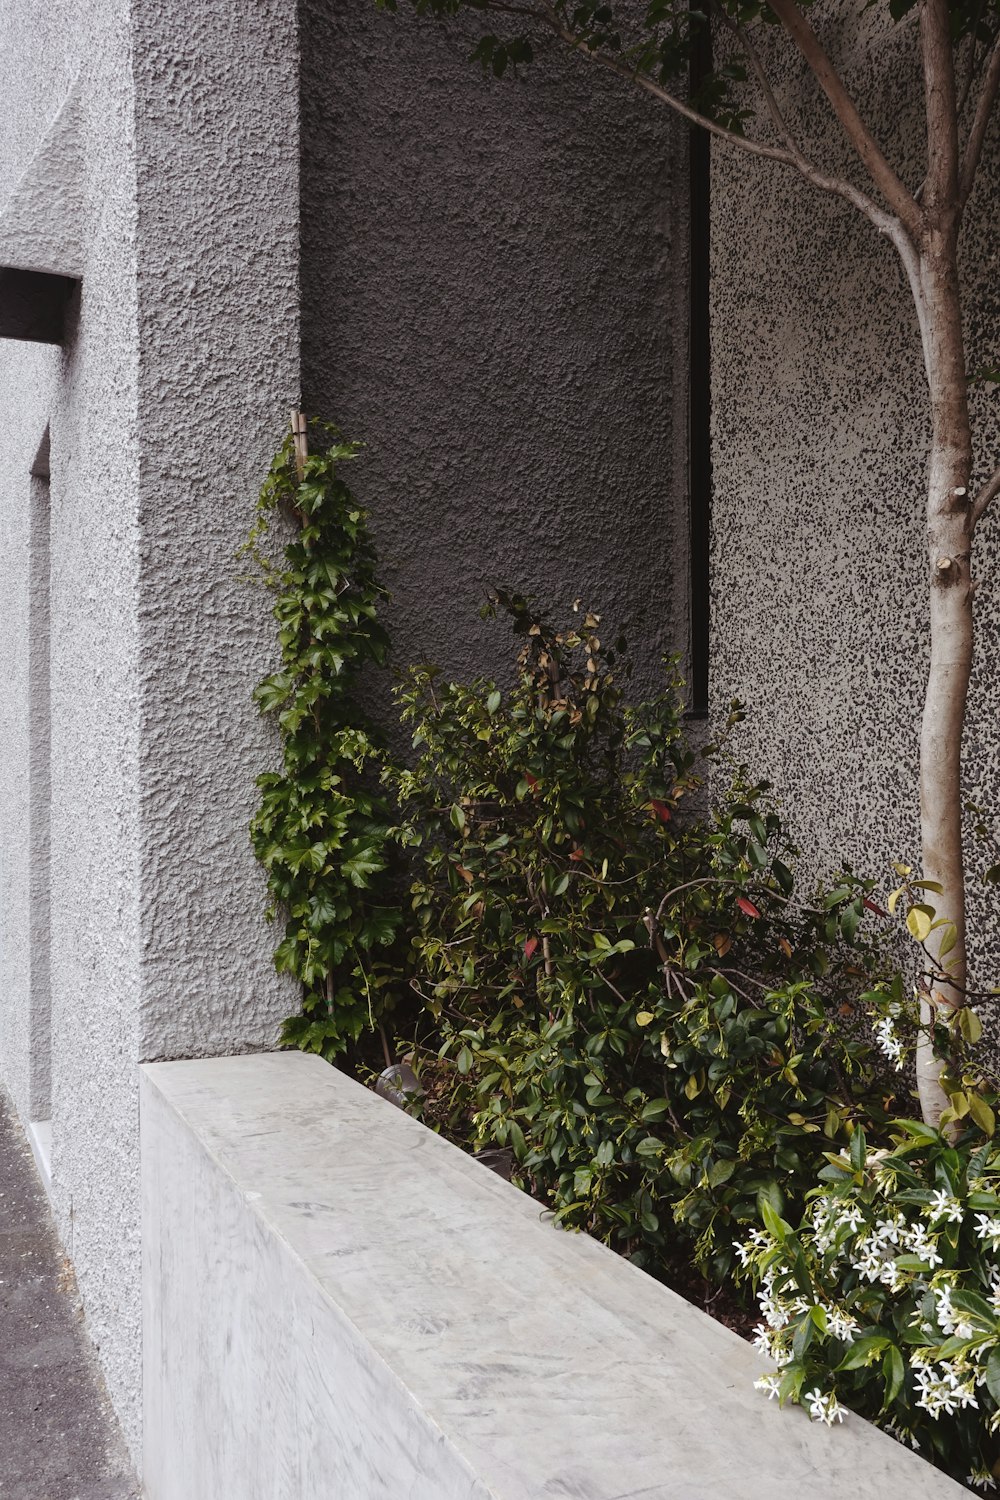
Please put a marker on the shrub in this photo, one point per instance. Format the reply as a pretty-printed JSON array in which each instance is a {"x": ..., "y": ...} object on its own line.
[{"x": 629, "y": 993}]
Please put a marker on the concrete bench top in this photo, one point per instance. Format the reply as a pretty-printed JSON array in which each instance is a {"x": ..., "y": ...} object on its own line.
[{"x": 373, "y": 1308}]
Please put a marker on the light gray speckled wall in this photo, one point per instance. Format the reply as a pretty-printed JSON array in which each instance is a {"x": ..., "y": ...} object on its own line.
[
  {"x": 494, "y": 301},
  {"x": 820, "y": 434}
]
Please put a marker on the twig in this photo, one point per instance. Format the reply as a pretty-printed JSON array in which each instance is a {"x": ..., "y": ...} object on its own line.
[
  {"x": 300, "y": 436},
  {"x": 985, "y": 497},
  {"x": 974, "y": 59}
]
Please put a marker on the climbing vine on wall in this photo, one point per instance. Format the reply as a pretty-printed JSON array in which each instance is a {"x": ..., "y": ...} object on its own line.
[{"x": 322, "y": 830}]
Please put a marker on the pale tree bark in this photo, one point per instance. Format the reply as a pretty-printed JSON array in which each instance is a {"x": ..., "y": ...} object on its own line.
[
  {"x": 949, "y": 548},
  {"x": 949, "y": 556}
]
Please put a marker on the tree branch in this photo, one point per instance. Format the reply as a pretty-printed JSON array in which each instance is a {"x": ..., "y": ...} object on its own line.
[
  {"x": 985, "y": 498},
  {"x": 884, "y": 222},
  {"x": 977, "y": 135},
  {"x": 746, "y": 143},
  {"x": 896, "y": 194},
  {"x": 941, "y": 182}
]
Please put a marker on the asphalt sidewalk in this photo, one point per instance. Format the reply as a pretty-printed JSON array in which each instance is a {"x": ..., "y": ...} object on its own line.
[{"x": 58, "y": 1436}]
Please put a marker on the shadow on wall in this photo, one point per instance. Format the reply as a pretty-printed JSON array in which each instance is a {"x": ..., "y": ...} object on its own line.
[{"x": 494, "y": 300}]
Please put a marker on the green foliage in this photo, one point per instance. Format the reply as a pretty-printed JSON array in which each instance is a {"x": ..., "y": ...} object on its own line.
[
  {"x": 886, "y": 1298},
  {"x": 634, "y": 1000},
  {"x": 323, "y": 827},
  {"x": 621, "y": 985}
]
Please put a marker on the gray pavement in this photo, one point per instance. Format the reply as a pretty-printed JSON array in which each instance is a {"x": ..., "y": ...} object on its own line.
[{"x": 58, "y": 1436}]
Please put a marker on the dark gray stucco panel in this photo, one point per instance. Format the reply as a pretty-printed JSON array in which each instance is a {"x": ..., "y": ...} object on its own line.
[{"x": 493, "y": 280}]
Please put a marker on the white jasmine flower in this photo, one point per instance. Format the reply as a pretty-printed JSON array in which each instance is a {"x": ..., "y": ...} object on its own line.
[
  {"x": 891, "y": 1276},
  {"x": 889, "y": 1043},
  {"x": 916, "y": 1240},
  {"x": 824, "y": 1408},
  {"x": 868, "y": 1263},
  {"x": 935, "y": 1395},
  {"x": 888, "y": 1230},
  {"x": 841, "y": 1324},
  {"x": 768, "y": 1383},
  {"x": 988, "y": 1229},
  {"x": 995, "y": 1292},
  {"x": 944, "y": 1206},
  {"x": 981, "y": 1479}
]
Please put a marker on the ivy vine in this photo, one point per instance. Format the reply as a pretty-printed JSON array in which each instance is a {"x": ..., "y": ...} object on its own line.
[{"x": 323, "y": 829}]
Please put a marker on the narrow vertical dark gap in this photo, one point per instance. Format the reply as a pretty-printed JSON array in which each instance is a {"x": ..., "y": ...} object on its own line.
[
  {"x": 39, "y": 788},
  {"x": 699, "y": 381}
]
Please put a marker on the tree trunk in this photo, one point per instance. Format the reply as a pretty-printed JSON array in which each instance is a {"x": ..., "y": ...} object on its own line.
[{"x": 949, "y": 538}]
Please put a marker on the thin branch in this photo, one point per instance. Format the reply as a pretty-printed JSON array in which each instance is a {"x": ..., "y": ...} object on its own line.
[
  {"x": 746, "y": 143},
  {"x": 896, "y": 194},
  {"x": 884, "y": 222},
  {"x": 773, "y": 108},
  {"x": 977, "y": 134},
  {"x": 985, "y": 498}
]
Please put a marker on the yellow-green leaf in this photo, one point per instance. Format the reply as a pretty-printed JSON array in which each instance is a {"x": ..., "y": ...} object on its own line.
[
  {"x": 918, "y": 920},
  {"x": 970, "y": 1025},
  {"x": 982, "y": 1114}
]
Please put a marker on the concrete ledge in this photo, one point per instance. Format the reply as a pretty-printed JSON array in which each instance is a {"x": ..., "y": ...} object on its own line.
[{"x": 338, "y": 1303}]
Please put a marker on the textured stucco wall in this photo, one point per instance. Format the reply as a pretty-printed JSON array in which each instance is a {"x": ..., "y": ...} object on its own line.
[
  {"x": 35, "y": 76},
  {"x": 820, "y": 436},
  {"x": 494, "y": 301},
  {"x": 86, "y": 393},
  {"x": 94, "y": 729},
  {"x": 217, "y": 144},
  {"x": 183, "y": 347}
]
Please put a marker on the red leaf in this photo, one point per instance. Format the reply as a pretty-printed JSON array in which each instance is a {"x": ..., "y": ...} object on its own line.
[
  {"x": 747, "y": 907},
  {"x": 576, "y": 854},
  {"x": 531, "y": 780},
  {"x": 662, "y": 811},
  {"x": 530, "y": 946},
  {"x": 874, "y": 906}
]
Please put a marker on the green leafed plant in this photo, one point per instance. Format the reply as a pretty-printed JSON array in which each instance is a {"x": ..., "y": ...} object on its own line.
[
  {"x": 323, "y": 828},
  {"x": 625, "y": 989}
]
